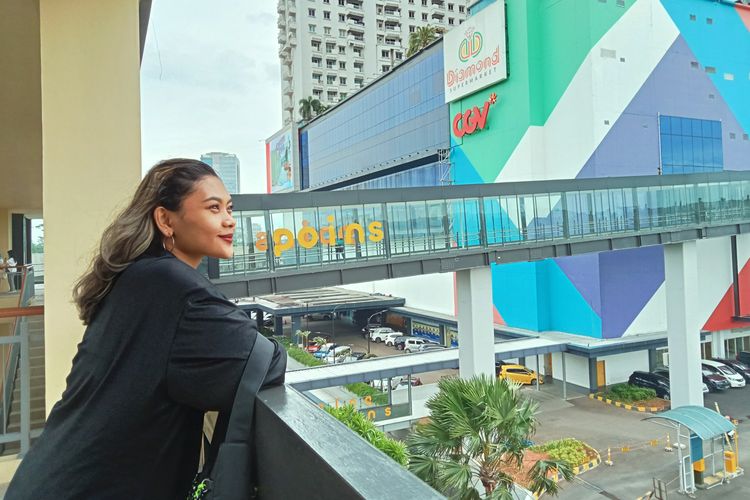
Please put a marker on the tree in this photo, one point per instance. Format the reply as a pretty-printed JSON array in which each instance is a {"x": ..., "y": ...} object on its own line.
[
  {"x": 310, "y": 107},
  {"x": 421, "y": 38},
  {"x": 477, "y": 428}
]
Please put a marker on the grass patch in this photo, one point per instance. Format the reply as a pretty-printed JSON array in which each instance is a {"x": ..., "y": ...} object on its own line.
[
  {"x": 629, "y": 393},
  {"x": 569, "y": 450}
]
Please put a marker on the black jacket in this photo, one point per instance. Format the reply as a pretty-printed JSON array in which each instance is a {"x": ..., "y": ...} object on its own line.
[{"x": 163, "y": 347}]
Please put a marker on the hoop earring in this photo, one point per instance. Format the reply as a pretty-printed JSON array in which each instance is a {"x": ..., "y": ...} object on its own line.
[{"x": 164, "y": 244}]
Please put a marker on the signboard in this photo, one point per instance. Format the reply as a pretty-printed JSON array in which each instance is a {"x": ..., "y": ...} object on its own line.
[
  {"x": 473, "y": 119},
  {"x": 280, "y": 162},
  {"x": 474, "y": 54}
]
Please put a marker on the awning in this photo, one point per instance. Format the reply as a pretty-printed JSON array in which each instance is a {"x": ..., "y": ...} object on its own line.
[{"x": 707, "y": 424}]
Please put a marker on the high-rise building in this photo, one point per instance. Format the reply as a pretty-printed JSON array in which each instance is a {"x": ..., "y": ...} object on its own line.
[
  {"x": 329, "y": 49},
  {"x": 227, "y": 166}
]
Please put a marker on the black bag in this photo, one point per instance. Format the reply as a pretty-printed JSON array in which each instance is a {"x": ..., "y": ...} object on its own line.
[{"x": 228, "y": 471}]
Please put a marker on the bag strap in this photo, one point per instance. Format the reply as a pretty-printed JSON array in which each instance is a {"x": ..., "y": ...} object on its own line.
[{"x": 235, "y": 427}]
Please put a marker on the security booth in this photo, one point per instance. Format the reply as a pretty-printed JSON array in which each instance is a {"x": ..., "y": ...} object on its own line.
[{"x": 706, "y": 446}]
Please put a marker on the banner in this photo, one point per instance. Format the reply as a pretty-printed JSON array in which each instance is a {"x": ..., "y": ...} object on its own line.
[{"x": 280, "y": 162}]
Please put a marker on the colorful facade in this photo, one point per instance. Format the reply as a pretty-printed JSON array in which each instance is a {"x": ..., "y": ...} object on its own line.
[{"x": 610, "y": 88}]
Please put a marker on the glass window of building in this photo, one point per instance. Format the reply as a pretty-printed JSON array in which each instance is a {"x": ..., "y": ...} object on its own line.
[
  {"x": 330, "y": 47},
  {"x": 342, "y": 33},
  {"x": 342, "y": 80},
  {"x": 326, "y": 14},
  {"x": 330, "y": 79},
  {"x": 315, "y": 44},
  {"x": 342, "y": 65},
  {"x": 411, "y": 14},
  {"x": 424, "y": 3},
  {"x": 450, "y": 21},
  {"x": 342, "y": 49},
  {"x": 461, "y": 9},
  {"x": 342, "y": 18},
  {"x": 330, "y": 64},
  {"x": 450, "y": 6},
  {"x": 311, "y": 12},
  {"x": 317, "y": 93},
  {"x": 690, "y": 145},
  {"x": 311, "y": 28},
  {"x": 424, "y": 16},
  {"x": 327, "y": 30},
  {"x": 386, "y": 67},
  {"x": 316, "y": 61}
]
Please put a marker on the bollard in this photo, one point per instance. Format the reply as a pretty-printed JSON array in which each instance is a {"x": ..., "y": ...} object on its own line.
[
  {"x": 609, "y": 458},
  {"x": 669, "y": 444}
]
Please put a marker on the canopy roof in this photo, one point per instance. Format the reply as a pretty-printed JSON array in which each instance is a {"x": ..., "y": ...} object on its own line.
[{"x": 705, "y": 423}]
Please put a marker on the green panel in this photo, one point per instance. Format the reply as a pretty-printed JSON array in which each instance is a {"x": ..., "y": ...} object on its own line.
[{"x": 547, "y": 42}]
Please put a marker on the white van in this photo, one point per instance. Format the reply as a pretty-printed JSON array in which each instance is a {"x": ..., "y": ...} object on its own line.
[{"x": 735, "y": 379}]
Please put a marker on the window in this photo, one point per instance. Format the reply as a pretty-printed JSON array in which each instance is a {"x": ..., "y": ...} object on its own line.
[
  {"x": 342, "y": 49},
  {"x": 398, "y": 56},
  {"x": 358, "y": 67},
  {"x": 385, "y": 53},
  {"x": 330, "y": 64},
  {"x": 317, "y": 93},
  {"x": 359, "y": 82},
  {"x": 411, "y": 14},
  {"x": 316, "y": 61},
  {"x": 311, "y": 28},
  {"x": 330, "y": 47},
  {"x": 690, "y": 145},
  {"x": 412, "y": 29},
  {"x": 326, "y": 15},
  {"x": 311, "y": 12},
  {"x": 331, "y": 95},
  {"x": 317, "y": 77},
  {"x": 342, "y": 96},
  {"x": 327, "y": 30},
  {"x": 330, "y": 79},
  {"x": 342, "y": 2},
  {"x": 450, "y": 21},
  {"x": 450, "y": 6},
  {"x": 357, "y": 52},
  {"x": 315, "y": 45},
  {"x": 326, "y": 2},
  {"x": 342, "y": 65},
  {"x": 342, "y": 80},
  {"x": 424, "y": 16},
  {"x": 342, "y": 18},
  {"x": 342, "y": 33},
  {"x": 461, "y": 9},
  {"x": 424, "y": 3},
  {"x": 385, "y": 68}
]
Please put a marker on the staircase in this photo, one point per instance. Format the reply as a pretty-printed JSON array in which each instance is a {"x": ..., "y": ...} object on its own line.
[{"x": 35, "y": 325}]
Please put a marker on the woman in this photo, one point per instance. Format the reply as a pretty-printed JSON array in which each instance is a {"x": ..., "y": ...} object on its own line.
[{"x": 161, "y": 347}]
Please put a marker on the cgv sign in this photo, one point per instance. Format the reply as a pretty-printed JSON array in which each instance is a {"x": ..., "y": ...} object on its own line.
[{"x": 473, "y": 119}]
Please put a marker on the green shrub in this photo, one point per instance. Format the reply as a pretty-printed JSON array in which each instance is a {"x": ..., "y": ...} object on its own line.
[
  {"x": 365, "y": 428},
  {"x": 363, "y": 390},
  {"x": 569, "y": 450},
  {"x": 629, "y": 393}
]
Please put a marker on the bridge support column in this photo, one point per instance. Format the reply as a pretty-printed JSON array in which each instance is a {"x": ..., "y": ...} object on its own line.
[
  {"x": 683, "y": 324},
  {"x": 476, "y": 349},
  {"x": 278, "y": 325},
  {"x": 717, "y": 345}
]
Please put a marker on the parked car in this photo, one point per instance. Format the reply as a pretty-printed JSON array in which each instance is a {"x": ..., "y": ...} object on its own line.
[
  {"x": 664, "y": 372},
  {"x": 412, "y": 344},
  {"x": 744, "y": 356},
  {"x": 520, "y": 374},
  {"x": 735, "y": 379},
  {"x": 318, "y": 316},
  {"x": 649, "y": 380},
  {"x": 398, "y": 342},
  {"x": 312, "y": 346},
  {"x": 429, "y": 346},
  {"x": 714, "y": 381},
  {"x": 381, "y": 334},
  {"x": 415, "y": 381},
  {"x": 338, "y": 354},
  {"x": 369, "y": 327},
  {"x": 323, "y": 351},
  {"x": 737, "y": 366},
  {"x": 382, "y": 383}
]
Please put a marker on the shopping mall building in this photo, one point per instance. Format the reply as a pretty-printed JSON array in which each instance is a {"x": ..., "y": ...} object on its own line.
[{"x": 556, "y": 90}]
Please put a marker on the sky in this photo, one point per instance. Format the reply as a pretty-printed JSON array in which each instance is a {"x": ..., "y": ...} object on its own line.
[{"x": 210, "y": 82}]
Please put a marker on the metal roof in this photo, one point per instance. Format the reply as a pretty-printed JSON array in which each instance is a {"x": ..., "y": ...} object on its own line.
[
  {"x": 319, "y": 300},
  {"x": 706, "y": 423}
]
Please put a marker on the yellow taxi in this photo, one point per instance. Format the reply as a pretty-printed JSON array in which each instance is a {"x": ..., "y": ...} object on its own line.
[{"x": 519, "y": 373}]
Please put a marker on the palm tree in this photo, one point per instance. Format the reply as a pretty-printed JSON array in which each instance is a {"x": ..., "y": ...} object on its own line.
[
  {"x": 309, "y": 107},
  {"x": 421, "y": 38},
  {"x": 477, "y": 426}
]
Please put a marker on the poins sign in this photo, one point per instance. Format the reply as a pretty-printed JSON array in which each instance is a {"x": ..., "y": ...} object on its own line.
[
  {"x": 473, "y": 119},
  {"x": 474, "y": 53}
]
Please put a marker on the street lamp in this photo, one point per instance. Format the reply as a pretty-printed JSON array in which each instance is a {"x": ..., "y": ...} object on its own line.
[
  {"x": 333, "y": 330},
  {"x": 367, "y": 331}
]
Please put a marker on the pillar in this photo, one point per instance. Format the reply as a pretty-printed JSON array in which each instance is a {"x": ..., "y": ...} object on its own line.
[
  {"x": 652, "y": 359},
  {"x": 683, "y": 324},
  {"x": 90, "y": 93},
  {"x": 593, "y": 385},
  {"x": 476, "y": 349},
  {"x": 717, "y": 345},
  {"x": 278, "y": 325}
]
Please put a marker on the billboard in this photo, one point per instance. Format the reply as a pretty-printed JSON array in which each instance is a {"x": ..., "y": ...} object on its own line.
[
  {"x": 474, "y": 54},
  {"x": 280, "y": 161}
]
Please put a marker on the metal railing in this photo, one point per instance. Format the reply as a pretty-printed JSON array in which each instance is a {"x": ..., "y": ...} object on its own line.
[{"x": 14, "y": 367}]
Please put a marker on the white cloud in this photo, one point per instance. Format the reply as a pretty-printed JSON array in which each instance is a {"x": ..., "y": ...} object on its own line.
[{"x": 210, "y": 82}]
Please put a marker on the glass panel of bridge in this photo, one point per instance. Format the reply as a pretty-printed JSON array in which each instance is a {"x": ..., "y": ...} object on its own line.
[
  {"x": 724, "y": 203},
  {"x": 572, "y": 214},
  {"x": 541, "y": 226},
  {"x": 307, "y": 224},
  {"x": 744, "y": 195},
  {"x": 602, "y": 213},
  {"x": 511, "y": 221},
  {"x": 556, "y": 215},
  {"x": 329, "y": 219},
  {"x": 439, "y": 224},
  {"x": 352, "y": 232},
  {"x": 588, "y": 215},
  {"x": 398, "y": 228},
  {"x": 644, "y": 207},
  {"x": 617, "y": 209},
  {"x": 527, "y": 214},
  {"x": 283, "y": 236},
  {"x": 493, "y": 222},
  {"x": 374, "y": 218},
  {"x": 419, "y": 241},
  {"x": 252, "y": 256},
  {"x": 702, "y": 202},
  {"x": 473, "y": 225}
]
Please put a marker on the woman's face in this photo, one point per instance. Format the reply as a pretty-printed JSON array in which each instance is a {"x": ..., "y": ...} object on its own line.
[{"x": 204, "y": 225}]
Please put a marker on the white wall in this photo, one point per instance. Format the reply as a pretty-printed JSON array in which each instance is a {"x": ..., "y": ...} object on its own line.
[
  {"x": 432, "y": 292},
  {"x": 576, "y": 369},
  {"x": 620, "y": 366}
]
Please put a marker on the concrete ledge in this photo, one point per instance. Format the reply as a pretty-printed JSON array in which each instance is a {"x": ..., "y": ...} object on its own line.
[{"x": 627, "y": 406}]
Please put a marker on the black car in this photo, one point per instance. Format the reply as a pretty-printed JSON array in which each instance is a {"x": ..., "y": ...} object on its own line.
[
  {"x": 744, "y": 356},
  {"x": 714, "y": 381},
  {"x": 654, "y": 381},
  {"x": 737, "y": 366},
  {"x": 400, "y": 341}
]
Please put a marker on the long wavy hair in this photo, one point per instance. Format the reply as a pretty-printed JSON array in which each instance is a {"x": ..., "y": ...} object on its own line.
[{"x": 134, "y": 231}]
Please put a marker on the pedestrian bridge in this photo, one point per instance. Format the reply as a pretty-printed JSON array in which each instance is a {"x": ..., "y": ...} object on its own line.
[{"x": 296, "y": 241}]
